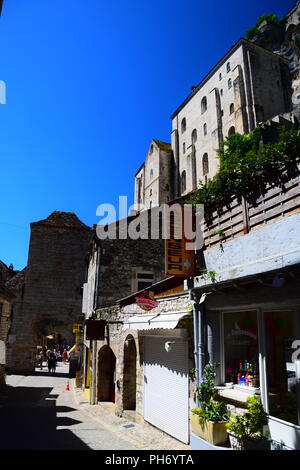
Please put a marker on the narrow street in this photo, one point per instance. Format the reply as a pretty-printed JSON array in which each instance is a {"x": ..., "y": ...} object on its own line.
[{"x": 38, "y": 413}]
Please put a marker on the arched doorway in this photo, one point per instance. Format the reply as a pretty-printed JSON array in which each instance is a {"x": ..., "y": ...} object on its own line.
[
  {"x": 129, "y": 381},
  {"x": 106, "y": 374}
]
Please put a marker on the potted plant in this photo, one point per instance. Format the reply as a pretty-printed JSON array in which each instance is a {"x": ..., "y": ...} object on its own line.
[
  {"x": 209, "y": 419},
  {"x": 246, "y": 432}
]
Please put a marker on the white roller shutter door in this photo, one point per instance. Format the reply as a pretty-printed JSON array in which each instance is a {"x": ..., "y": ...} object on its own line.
[{"x": 166, "y": 386}]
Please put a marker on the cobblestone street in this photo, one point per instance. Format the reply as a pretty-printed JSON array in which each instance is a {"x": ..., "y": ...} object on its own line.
[{"x": 38, "y": 413}]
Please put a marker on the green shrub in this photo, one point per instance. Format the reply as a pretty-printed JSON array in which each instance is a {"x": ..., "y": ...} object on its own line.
[{"x": 251, "y": 423}]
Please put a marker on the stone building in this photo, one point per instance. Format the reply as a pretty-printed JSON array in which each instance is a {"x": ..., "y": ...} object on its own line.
[
  {"x": 141, "y": 367},
  {"x": 248, "y": 86},
  {"x": 153, "y": 180},
  {"x": 116, "y": 268},
  {"x": 50, "y": 299},
  {"x": 6, "y": 297}
]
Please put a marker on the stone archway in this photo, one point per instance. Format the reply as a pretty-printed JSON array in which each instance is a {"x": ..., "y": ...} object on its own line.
[
  {"x": 106, "y": 374},
  {"x": 129, "y": 374}
]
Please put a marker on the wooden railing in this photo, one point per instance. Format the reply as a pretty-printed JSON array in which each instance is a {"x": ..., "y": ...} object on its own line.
[{"x": 241, "y": 217}]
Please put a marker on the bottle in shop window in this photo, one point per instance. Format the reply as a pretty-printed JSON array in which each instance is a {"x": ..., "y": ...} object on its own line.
[{"x": 239, "y": 377}]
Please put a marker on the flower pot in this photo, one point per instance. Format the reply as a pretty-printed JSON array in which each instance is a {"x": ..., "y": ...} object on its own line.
[
  {"x": 243, "y": 443},
  {"x": 212, "y": 432}
]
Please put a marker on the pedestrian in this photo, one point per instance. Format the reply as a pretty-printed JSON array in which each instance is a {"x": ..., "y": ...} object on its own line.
[
  {"x": 52, "y": 362},
  {"x": 65, "y": 355}
]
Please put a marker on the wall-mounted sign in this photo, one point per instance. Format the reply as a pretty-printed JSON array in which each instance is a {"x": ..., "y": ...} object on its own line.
[
  {"x": 178, "y": 260},
  {"x": 95, "y": 329},
  {"x": 146, "y": 300}
]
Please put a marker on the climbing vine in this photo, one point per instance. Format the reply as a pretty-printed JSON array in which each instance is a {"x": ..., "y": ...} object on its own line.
[{"x": 247, "y": 166}]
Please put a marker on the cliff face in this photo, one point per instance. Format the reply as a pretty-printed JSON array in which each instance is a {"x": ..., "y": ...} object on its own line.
[{"x": 285, "y": 41}]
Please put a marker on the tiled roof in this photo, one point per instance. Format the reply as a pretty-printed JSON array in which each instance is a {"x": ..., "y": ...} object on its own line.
[
  {"x": 62, "y": 220},
  {"x": 163, "y": 145}
]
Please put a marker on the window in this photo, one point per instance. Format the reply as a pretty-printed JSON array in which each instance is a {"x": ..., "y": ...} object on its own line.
[
  {"x": 228, "y": 68},
  {"x": 205, "y": 128},
  {"x": 151, "y": 148},
  {"x": 229, "y": 84},
  {"x": 205, "y": 165},
  {"x": 221, "y": 92},
  {"x": 194, "y": 136},
  {"x": 151, "y": 173},
  {"x": 183, "y": 181},
  {"x": 183, "y": 125},
  {"x": 150, "y": 193},
  {"x": 231, "y": 130},
  {"x": 143, "y": 280},
  {"x": 183, "y": 147},
  {"x": 220, "y": 76},
  {"x": 231, "y": 109},
  {"x": 241, "y": 348},
  {"x": 203, "y": 105}
]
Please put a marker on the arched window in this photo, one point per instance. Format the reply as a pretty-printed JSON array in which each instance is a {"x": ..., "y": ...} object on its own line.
[
  {"x": 183, "y": 181},
  {"x": 183, "y": 125},
  {"x": 231, "y": 130},
  {"x": 220, "y": 76},
  {"x": 231, "y": 108},
  {"x": 151, "y": 173},
  {"x": 150, "y": 193},
  {"x": 205, "y": 166},
  {"x": 203, "y": 105},
  {"x": 151, "y": 148},
  {"x": 229, "y": 84},
  {"x": 228, "y": 68},
  {"x": 205, "y": 128},
  {"x": 183, "y": 147},
  {"x": 194, "y": 136},
  {"x": 221, "y": 92}
]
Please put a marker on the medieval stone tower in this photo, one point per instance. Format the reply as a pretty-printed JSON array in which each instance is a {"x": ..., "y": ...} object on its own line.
[{"x": 50, "y": 299}]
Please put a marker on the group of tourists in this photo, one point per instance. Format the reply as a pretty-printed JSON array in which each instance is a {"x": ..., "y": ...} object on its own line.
[{"x": 51, "y": 355}]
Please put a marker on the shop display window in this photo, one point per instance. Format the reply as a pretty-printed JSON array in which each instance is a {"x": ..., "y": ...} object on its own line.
[
  {"x": 241, "y": 349},
  {"x": 281, "y": 331}
]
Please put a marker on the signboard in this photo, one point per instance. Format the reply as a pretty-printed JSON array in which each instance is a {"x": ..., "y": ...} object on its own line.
[
  {"x": 178, "y": 260},
  {"x": 95, "y": 329},
  {"x": 146, "y": 300}
]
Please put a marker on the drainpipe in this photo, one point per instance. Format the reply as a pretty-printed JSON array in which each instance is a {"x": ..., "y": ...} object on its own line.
[
  {"x": 198, "y": 321},
  {"x": 93, "y": 344}
]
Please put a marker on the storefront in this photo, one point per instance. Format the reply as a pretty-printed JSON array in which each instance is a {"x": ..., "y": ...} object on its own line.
[{"x": 258, "y": 325}]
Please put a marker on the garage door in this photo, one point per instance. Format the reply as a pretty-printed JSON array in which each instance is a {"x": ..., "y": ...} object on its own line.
[{"x": 166, "y": 386}]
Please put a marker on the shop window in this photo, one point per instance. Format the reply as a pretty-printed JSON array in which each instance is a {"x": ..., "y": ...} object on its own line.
[
  {"x": 241, "y": 349},
  {"x": 280, "y": 335}
]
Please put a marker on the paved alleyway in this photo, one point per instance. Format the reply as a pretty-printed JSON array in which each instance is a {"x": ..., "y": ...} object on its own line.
[{"x": 37, "y": 413}]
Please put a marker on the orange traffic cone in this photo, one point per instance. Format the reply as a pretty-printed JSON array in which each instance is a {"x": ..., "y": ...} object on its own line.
[{"x": 67, "y": 387}]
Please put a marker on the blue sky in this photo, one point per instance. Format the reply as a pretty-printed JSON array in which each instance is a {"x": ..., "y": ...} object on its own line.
[{"x": 88, "y": 85}]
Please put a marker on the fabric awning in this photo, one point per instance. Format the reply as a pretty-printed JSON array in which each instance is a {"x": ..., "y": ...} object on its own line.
[{"x": 149, "y": 321}]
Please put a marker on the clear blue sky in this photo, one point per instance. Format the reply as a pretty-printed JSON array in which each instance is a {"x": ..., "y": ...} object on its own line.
[{"x": 89, "y": 84}]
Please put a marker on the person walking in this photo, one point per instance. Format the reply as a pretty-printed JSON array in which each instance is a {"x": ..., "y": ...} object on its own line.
[
  {"x": 52, "y": 362},
  {"x": 65, "y": 355}
]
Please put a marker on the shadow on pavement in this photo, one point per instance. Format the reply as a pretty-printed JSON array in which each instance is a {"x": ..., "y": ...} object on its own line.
[{"x": 28, "y": 420}]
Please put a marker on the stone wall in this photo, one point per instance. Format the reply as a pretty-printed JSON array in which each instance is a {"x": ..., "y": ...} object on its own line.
[{"x": 51, "y": 298}]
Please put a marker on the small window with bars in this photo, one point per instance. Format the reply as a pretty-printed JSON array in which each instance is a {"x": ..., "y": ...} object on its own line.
[{"x": 144, "y": 280}]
